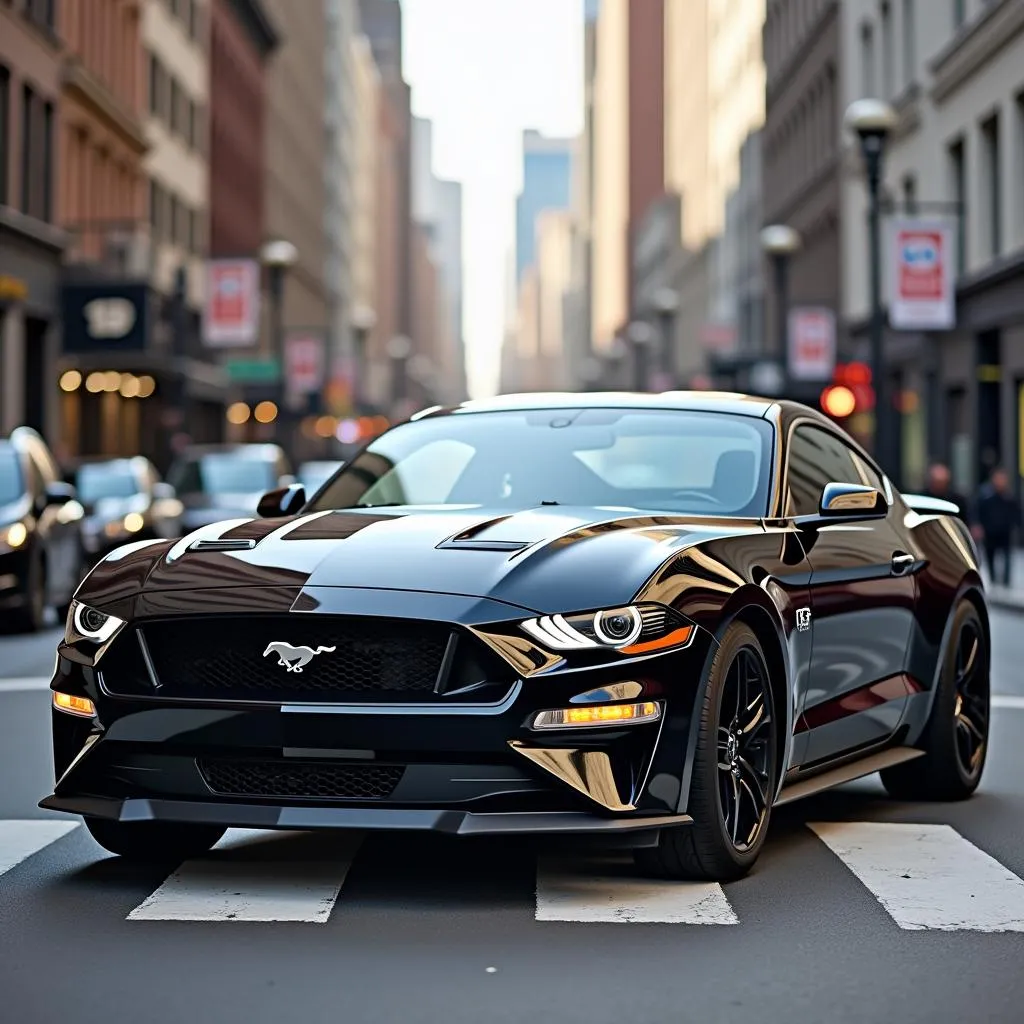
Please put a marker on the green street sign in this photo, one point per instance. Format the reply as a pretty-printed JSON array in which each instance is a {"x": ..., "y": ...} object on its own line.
[{"x": 253, "y": 371}]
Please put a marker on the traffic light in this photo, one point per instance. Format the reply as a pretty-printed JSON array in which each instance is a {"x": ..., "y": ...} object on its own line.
[{"x": 850, "y": 391}]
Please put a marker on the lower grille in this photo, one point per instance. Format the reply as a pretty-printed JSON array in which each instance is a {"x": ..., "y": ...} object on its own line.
[{"x": 308, "y": 780}]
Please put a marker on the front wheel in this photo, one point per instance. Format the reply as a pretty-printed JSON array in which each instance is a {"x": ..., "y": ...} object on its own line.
[
  {"x": 733, "y": 771},
  {"x": 955, "y": 740},
  {"x": 159, "y": 842}
]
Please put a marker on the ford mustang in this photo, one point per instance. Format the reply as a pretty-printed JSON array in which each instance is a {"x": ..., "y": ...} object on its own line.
[{"x": 648, "y": 619}]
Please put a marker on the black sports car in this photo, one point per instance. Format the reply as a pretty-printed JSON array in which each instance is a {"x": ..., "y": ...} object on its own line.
[{"x": 645, "y": 617}]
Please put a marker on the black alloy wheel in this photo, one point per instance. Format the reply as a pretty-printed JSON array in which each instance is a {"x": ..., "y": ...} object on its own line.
[
  {"x": 734, "y": 768},
  {"x": 955, "y": 738},
  {"x": 744, "y": 749}
]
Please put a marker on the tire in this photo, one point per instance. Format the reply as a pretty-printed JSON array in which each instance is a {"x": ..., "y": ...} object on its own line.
[
  {"x": 706, "y": 849},
  {"x": 955, "y": 739},
  {"x": 31, "y": 617},
  {"x": 154, "y": 842}
]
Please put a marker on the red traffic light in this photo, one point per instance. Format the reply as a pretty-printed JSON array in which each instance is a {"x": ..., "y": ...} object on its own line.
[
  {"x": 852, "y": 375},
  {"x": 838, "y": 401}
]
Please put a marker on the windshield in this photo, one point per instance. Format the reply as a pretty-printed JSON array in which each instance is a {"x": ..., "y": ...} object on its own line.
[
  {"x": 10, "y": 477},
  {"x": 224, "y": 473},
  {"x": 689, "y": 462},
  {"x": 314, "y": 474},
  {"x": 107, "y": 480}
]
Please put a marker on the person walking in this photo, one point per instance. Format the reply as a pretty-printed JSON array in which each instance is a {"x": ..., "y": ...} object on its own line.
[
  {"x": 998, "y": 516},
  {"x": 940, "y": 486}
]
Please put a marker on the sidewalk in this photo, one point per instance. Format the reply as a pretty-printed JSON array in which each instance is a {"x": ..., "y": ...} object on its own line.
[{"x": 1011, "y": 597}]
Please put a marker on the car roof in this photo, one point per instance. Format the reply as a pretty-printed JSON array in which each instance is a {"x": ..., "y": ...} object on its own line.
[{"x": 732, "y": 402}]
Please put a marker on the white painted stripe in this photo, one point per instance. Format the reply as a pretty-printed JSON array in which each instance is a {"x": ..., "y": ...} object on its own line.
[
  {"x": 23, "y": 683},
  {"x": 610, "y": 890},
  {"x": 928, "y": 876},
  {"x": 1008, "y": 701},
  {"x": 242, "y": 881},
  {"x": 19, "y": 840}
]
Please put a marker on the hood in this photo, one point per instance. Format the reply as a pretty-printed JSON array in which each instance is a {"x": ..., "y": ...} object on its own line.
[{"x": 542, "y": 559}]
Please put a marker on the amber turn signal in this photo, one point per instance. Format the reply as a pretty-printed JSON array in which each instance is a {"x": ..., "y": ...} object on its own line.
[
  {"x": 603, "y": 714},
  {"x": 74, "y": 705}
]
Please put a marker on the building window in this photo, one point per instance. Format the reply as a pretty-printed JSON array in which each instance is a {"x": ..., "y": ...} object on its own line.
[
  {"x": 173, "y": 218},
  {"x": 885, "y": 16},
  {"x": 909, "y": 195},
  {"x": 5, "y": 128},
  {"x": 909, "y": 43},
  {"x": 27, "y": 107},
  {"x": 993, "y": 206},
  {"x": 42, "y": 12},
  {"x": 193, "y": 19},
  {"x": 867, "y": 60},
  {"x": 959, "y": 13},
  {"x": 154, "y": 85},
  {"x": 47, "y": 140},
  {"x": 154, "y": 208},
  {"x": 175, "y": 102},
  {"x": 958, "y": 189},
  {"x": 191, "y": 108}
]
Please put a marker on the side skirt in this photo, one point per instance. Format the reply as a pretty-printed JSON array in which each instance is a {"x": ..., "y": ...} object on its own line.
[{"x": 846, "y": 773}]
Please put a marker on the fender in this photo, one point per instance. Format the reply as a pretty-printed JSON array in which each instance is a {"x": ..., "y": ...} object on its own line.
[{"x": 744, "y": 599}]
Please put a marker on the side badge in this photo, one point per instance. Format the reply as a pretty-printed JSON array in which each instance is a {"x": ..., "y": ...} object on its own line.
[{"x": 803, "y": 619}]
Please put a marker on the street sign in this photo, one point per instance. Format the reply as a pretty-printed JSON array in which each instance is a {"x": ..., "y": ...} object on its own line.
[
  {"x": 812, "y": 343},
  {"x": 253, "y": 371},
  {"x": 304, "y": 363},
  {"x": 231, "y": 318},
  {"x": 923, "y": 272}
]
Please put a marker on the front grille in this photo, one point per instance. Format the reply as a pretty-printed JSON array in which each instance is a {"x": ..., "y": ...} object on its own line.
[
  {"x": 306, "y": 780},
  {"x": 267, "y": 658}
]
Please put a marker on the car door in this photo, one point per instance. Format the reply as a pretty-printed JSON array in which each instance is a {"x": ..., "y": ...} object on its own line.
[{"x": 862, "y": 594}]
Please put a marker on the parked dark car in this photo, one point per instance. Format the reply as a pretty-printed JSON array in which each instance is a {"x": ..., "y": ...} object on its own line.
[
  {"x": 219, "y": 482},
  {"x": 40, "y": 532},
  {"x": 647, "y": 617},
  {"x": 124, "y": 500}
]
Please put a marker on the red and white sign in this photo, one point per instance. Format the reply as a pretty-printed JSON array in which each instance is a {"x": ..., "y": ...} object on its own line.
[
  {"x": 304, "y": 363},
  {"x": 923, "y": 271},
  {"x": 812, "y": 343},
  {"x": 232, "y": 315}
]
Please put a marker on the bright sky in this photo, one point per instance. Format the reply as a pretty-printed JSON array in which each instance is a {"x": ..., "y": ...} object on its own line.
[{"x": 483, "y": 71}]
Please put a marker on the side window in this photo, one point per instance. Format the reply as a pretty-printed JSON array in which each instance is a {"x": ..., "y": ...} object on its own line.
[{"x": 816, "y": 458}]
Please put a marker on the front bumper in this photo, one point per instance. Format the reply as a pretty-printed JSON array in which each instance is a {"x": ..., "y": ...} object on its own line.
[{"x": 463, "y": 769}]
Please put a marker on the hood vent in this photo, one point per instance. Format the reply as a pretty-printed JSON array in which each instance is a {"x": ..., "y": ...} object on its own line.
[
  {"x": 222, "y": 545},
  {"x": 467, "y": 540}
]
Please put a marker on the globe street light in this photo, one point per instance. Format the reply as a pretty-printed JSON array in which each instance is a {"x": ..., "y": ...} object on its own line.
[
  {"x": 399, "y": 348},
  {"x": 872, "y": 121},
  {"x": 640, "y": 335},
  {"x": 364, "y": 319},
  {"x": 278, "y": 256},
  {"x": 666, "y": 303},
  {"x": 779, "y": 242}
]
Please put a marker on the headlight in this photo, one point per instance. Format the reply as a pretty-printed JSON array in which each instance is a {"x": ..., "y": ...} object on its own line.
[
  {"x": 85, "y": 623},
  {"x": 633, "y": 629},
  {"x": 13, "y": 536}
]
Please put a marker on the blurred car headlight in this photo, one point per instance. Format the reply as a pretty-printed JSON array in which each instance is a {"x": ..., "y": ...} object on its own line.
[
  {"x": 13, "y": 537},
  {"x": 632, "y": 629},
  {"x": 91, "y": 625}
]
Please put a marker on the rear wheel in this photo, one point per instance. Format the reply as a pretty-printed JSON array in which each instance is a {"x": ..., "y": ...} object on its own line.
[
  {"x": 955, "y": 740},
  {"x": 733, "y": 771},
  {"x": 154, "y": 841}
]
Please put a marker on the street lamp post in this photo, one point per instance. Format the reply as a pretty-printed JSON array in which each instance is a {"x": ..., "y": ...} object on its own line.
[
  {"x": 399, "y": 350},
  {"x": 872, "y": 121},
  {"x": 278, "y": 256},
  {"x": 640, "y": 334},
  {"x": 666, "y": 302},
  {"x": 779, "y": 242},
  {"x": 364, "y": 320}
]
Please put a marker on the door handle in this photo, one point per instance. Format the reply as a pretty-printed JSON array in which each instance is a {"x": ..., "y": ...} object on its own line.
[{"x": 902, "y": 562}]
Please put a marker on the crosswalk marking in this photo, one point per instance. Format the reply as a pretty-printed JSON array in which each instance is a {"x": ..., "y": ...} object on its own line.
[
  {"x": 928, "y": 876},
  {"x": 230, "y": 886},
  {"x": 610, "y": 890},
  {"x": 19, "y": 840}
]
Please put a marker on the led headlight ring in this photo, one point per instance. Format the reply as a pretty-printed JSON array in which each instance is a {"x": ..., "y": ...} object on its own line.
[{"x": 618, "y": 628}]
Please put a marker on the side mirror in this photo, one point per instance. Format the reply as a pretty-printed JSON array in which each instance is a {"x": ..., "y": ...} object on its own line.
[
  {"x": 852, "y": 501},
  {"x": 59, "y": 493},
  {"x": 164, "y": 492},
  {"x": 285, "y": 501}
]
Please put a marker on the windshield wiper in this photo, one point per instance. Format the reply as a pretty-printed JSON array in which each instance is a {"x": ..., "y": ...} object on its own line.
[{"x": 383, "y": 504}]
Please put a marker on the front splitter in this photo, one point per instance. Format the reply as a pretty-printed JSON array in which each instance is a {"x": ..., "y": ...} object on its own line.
[{"x": 262, "y": 816}]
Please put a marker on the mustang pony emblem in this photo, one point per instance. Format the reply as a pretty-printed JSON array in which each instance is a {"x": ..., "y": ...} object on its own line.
[{"x": 293, "y": 658}]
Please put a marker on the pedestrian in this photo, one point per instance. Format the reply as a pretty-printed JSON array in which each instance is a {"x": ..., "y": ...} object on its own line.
[
  {"x": 939, "y": 486},
  {"x": 998, "y": 516}
]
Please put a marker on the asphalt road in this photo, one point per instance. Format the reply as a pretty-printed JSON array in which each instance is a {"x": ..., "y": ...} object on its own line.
[{"x": 861, "y": 909}]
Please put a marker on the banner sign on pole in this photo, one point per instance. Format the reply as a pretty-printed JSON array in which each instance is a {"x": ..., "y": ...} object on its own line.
[
  {"x": 304, "y": 363},
  {"x": 231, "y": 318},
  {"x": 812, "y": 343},
  {"x": 923, "y": 275}
]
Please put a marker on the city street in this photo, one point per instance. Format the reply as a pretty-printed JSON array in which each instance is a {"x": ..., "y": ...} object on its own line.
[{"x": 323, "y": 928}]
